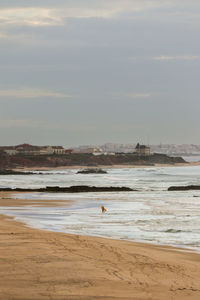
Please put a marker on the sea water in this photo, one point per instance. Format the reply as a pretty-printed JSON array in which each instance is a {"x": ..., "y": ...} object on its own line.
[{"x": 151, "y": 214}]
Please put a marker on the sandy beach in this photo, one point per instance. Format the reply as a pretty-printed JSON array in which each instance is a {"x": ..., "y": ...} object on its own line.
[
  {"x": 107, "y": 166},
  {"x": 37, "y": 264}
]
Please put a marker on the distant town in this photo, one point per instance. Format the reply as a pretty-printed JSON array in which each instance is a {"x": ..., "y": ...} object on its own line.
[
  {"x": 169, "y": 149},
  {"x": 105, "y": 149},
  {"x": 27, "y": 149}
]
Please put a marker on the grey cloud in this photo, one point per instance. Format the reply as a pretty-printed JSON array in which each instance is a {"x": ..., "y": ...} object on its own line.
[
  {"x": 176, "y": 57},
  {"x": 90, "y": 56},
  {"x": 31, "y": 93},
  {"x": 48, "y": 15}
]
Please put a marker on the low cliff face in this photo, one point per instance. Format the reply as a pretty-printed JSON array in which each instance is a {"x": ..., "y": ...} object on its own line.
[{"x": 17, "y": 161}]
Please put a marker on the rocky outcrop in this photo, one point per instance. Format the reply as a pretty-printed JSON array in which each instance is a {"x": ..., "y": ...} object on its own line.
[
  {"x": 71, "y": 189},
  {"x": 92, "y": 171},
  {"x": 12, "y": 172},
  {"x": 184, "y": 188},
  {"x": 158, "y": 158}
]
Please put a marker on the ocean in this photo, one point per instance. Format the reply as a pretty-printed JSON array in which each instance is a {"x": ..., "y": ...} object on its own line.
[{"x": 150, "y": 215}]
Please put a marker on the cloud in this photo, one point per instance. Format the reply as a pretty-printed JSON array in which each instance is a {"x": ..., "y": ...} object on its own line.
[
  {"x": 45, "y": 125},
  {"x": 177, "y": 57},
  {"x": 122, "y": 96},
  {"x": 3, "y": 35},
  {"x": 18, "y": 39},
  {"x": 53, "y": 16},
  {"x": 31, "y": 93},
  {"x": 16, "y": 123},
  {"x": 139, "y": 95},
  {"x": 31, "y": 16},
  {"x": 28, "y": 123},
  {"x": 109, "y": 9}
]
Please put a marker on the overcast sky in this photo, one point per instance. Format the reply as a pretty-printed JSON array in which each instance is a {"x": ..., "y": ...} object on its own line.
[{"x": 93, "y": 71}]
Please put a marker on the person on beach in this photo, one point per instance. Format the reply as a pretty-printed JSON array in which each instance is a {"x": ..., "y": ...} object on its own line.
[{"x": 103, "y": 209}]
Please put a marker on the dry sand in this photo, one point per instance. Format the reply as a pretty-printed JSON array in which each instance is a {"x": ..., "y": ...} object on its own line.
[{"x": 37, "y": 264}]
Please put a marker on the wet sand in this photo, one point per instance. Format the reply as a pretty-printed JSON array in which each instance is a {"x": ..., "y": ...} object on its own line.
[
  {"x": 107, "y": 167},
  {"x": 37, "y": 264}
]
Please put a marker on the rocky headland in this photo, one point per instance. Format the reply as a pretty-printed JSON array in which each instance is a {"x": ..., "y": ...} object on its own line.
[{"x": 85, "y": 160}]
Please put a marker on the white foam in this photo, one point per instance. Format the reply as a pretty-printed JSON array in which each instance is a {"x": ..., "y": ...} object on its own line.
[{"x": 152, "y": 214}]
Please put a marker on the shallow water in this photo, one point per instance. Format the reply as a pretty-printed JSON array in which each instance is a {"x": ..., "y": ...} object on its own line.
[{"x": 150, "y": 215}]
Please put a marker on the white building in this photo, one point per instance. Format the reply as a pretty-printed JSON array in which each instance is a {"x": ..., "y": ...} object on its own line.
[{"x": 142, "y": 150}]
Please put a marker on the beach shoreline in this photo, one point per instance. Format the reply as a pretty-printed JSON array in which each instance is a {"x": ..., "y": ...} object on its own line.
[
  {"x": 38, "y": 264},
  {"x": 106, "y": 167}
]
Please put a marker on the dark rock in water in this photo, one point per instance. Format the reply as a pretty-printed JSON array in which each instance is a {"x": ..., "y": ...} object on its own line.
[
  {"x": 92, "y": 171},
  {"x": 184, "y": 188},
  {"x": 171, "y": 230},
  {"x": 71, "y": 189},
  {"x": 12, "y": 172}
]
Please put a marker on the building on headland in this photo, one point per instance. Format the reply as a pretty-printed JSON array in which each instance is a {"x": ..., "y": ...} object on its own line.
[
  {"x": 68, "y": 151},
  {"x": 89, "y": 150},
  {"x": 20, "y": 149},
  {"x": 58, "y": 150},
  {"x": 142, "y": 150},
  {"x": 27, "y": 149},
  {"x": 10, "y": 150}
]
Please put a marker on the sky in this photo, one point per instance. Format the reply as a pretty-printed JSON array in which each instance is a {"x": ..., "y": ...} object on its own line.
[{"x": 77, "y": 72}]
